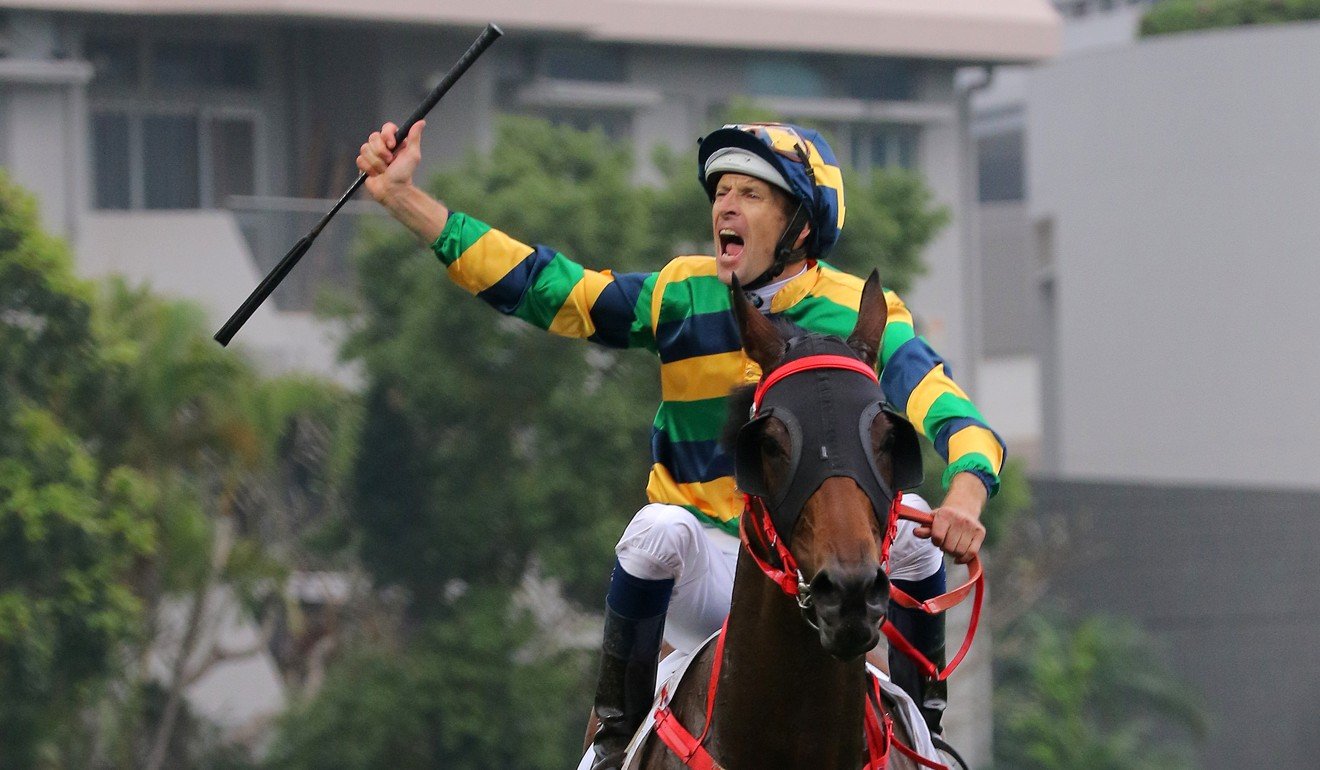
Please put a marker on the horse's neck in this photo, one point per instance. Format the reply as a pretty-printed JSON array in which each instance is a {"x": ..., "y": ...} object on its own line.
[{"x": 782, "y": 700}]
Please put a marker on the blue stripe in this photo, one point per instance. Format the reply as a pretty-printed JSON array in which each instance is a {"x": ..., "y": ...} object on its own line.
[
  {"x": 616, "y": 309},
  {"x": 697, "y": 335},
  {"x": 507, "y": 293},
  {"x": 906, "y": 369},
  {"x": 690, "y": 461}
]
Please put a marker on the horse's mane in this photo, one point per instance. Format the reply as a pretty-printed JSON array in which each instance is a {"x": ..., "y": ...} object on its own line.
[{"x": 740, "y": 398}]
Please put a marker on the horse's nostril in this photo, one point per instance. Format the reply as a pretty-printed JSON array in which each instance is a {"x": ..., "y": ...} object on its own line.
[
  {"x": 878, "y": 594},
  {"x": 824, "y": 589}
]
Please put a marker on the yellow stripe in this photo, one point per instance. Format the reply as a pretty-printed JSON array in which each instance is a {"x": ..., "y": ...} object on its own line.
[
  {"x": 898, "y": 312},
  {"x": 935, "y": 384},
  {"x": 678, "y": 269},
  {"x": 974, "y": 438},
  {"x": 487, "y": 260},
  {"x": 574, "y": 316},
  {"x": 701, "y": 377},
  {"x": 840, "y": 288},
  {"x": 719, "y": 499}
]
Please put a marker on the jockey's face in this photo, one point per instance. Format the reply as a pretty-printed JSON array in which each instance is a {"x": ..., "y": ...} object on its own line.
[{"x": 748, "y": 217}]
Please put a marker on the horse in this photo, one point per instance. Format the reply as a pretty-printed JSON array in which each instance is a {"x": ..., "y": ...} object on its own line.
[{"x": 781, "y": 692}]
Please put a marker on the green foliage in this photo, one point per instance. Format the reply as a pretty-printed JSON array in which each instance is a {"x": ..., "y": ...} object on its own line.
[
  {"x": 1092, "y": 695},
  {"x": 124, "y": 433},
  {"x": 70, "y": 530},
  {"x": 461, "y": 697},
  {"x": 891, "y": 218},
  {"x": 1174, "y": 16}
]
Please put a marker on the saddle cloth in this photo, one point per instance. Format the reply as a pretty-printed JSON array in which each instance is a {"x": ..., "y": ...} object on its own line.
[{"x": 673, "y": 668}]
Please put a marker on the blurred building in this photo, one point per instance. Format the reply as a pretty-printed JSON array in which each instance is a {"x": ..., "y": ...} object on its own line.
[
  {"x": 189, "y": 143},
  {"x": 1148, "y": 231},
  {"x": 187, "y": 138}
]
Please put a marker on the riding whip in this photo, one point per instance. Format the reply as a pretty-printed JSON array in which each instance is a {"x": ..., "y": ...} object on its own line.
[{"x": 488, "y": 36}]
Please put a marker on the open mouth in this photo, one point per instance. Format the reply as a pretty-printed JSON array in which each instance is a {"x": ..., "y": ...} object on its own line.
[{"x": 731, "y": 243}]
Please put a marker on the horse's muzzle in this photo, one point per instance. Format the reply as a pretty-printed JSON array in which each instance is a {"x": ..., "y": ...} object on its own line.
[{"x": 850, "y": 602}]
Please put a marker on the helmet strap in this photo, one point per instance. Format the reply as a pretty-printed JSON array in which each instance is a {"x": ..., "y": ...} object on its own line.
[{"x": 783, "y": 249}]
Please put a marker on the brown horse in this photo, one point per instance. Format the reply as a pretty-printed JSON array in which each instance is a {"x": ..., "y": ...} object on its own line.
[{"x": 792, "y": 691}]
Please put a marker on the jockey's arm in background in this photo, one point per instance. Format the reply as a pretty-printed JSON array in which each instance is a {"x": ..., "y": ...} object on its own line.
[{"x": 915, "y": 381}]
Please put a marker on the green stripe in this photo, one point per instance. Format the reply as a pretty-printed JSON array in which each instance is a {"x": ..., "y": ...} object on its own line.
[
  {"x": 460, "y": 232},
  {"x": 947, "y": 407},
  {"x": 700, "y": 420},
  {"x": 823, "y": 315},
  {"x": 642, "y": 335},
  {"x": 972, "y": 461},
  {"x": 896, "y": 333},
  {"x": 730, "y": 526},
  {"x": 693, "y": 295},
  {"x": 547, "y": 294}
]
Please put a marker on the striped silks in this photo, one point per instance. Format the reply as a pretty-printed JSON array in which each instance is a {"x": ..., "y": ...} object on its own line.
[{"x": 683, "y": 314}]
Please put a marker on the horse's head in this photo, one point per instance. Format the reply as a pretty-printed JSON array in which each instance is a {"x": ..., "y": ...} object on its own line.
[{"x": 826, "y": 456}]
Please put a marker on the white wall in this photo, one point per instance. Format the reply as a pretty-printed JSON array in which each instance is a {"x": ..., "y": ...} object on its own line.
[{"x": 1180, "y": 179}]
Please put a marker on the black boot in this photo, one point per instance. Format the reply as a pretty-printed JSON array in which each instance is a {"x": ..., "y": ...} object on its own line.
[
  {"x": 630, "y": 654},
  {"x": 926, "y": 633}
]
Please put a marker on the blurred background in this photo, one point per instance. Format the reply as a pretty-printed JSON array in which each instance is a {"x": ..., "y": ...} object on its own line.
[{"x": 376, "y": 531}]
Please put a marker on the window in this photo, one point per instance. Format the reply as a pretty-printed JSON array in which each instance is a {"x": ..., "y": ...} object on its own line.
[
  {"x": 1000, "y": 167},
  {"x": 883, "y": 79},
  {"x": 170, "y": 179},
  {"x": 784, "y": 77},
  {"x": 204, "y": 64},
  {"x": 594, "y": 63},
  {"x": 163, "y": 136},
  {"x": 615, "y": 124},
  {"x": 114, "y": 61},
  {"x": 110, "y": 158},
  {"x": 883, "y": 146}
]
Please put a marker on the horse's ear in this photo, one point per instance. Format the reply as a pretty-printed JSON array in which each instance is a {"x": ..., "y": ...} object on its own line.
[
  {"x": 871, "y": 316},
  {"x": 759, "y": 337}
]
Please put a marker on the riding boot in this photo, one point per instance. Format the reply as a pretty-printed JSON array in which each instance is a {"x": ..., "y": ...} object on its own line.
[
  {"x": 630, "y": 653},
  {"x": 626, "y": 688},
  {"x": 926, "y": 634}
]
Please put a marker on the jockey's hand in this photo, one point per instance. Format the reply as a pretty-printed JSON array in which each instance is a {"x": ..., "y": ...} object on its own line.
[
  {"x": 389, "y": 168},
  {"x": 957, "y": 527}
]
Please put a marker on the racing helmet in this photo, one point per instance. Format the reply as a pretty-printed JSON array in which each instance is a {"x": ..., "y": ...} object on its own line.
[{"x": 796, "y": 160}]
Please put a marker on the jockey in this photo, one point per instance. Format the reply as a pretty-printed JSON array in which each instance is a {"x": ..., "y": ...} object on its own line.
[{"x": 777, "y": 207}]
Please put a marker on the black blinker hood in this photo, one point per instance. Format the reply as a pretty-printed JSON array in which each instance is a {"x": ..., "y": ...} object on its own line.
[{"x": 828, "y": 413}]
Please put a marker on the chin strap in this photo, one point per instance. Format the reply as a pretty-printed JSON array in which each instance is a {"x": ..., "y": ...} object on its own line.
[{"x": 783, "y": 249}]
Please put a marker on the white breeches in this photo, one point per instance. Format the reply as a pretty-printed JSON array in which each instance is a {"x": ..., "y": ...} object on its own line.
[{"x": 664, "y": 542}]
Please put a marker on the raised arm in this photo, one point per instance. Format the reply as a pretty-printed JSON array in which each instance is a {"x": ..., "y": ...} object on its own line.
[{"x": 534, "y": 283}]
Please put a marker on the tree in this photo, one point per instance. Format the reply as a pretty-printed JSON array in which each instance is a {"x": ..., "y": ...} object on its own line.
[
  {"x": 138, "y": 463},
  {"x": 71, "y": 531},
  {"x": 1090, "y": 695},
  {"x": 1174, "y": 16}
]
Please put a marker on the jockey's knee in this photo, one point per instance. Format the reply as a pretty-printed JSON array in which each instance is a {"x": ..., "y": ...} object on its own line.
[{"x": 656, "y": 540}]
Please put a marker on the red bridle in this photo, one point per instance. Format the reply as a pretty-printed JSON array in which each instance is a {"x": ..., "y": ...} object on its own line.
[{"x": 788, "y": 576}]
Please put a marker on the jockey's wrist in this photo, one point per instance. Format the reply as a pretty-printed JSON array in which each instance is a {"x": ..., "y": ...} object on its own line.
[
  {"x": 415, "y": 209},
  {"x": 967, "y": 492}
]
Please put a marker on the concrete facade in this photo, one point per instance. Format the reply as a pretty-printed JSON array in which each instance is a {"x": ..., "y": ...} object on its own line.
[
  {"x": 1172, "y": 178},
  {"x": 1153, "y": 273}
]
